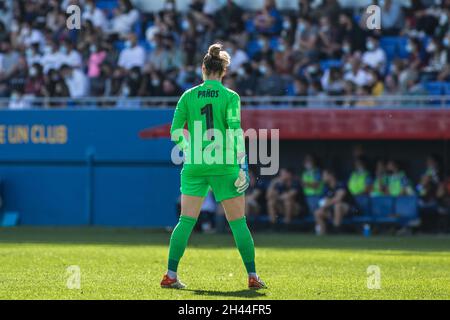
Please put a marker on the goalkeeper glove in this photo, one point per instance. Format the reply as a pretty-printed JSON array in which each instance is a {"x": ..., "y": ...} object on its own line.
[{"x": 243, "y": 181}]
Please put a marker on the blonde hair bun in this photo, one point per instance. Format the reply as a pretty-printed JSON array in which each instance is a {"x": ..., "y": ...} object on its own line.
[{"x": 214, "y": 50}]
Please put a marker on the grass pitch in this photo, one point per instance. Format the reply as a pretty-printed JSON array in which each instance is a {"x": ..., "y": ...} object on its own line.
[{"x": 129, "y": 263}]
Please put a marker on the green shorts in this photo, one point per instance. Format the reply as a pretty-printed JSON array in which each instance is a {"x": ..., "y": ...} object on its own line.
[{"x": 199, "y": 186}]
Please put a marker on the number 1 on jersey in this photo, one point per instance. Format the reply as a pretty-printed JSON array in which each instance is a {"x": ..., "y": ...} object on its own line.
[{"x": 208, "y": 112}]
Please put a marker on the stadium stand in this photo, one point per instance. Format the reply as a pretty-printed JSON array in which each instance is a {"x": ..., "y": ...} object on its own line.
[{"x": 290, "y": 43}]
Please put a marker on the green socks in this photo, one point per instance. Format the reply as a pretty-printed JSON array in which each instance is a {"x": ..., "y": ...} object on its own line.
[
  {"x": 244, "y": 243},
  {"x": 183, "y": 230},
  {"x": 179, "y": 241}
]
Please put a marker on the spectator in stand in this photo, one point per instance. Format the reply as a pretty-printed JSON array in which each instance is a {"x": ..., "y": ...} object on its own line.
[
  {"x": 349, "y": 32},
  {"x": 133, "y": 55},
  {"x": 28, "y": 35},
  {"x": 55, "y": 86},
  {"x": 391, "y": 87},
  {"x": 398, "y": 182},
  {"x": 76, "y": 81},
  {"x": 247, "y": 80},
  {"x": 268, "y": 20},
  {"x": 9, "y": 59},
  {"x": 426, "y": 14},
  {"x": 71, "y": 56},
  {"x": 392, "y": 18},
  {"x": 300, "y": 89},
  {"x": 357, "y": 74},
  {"x": 306, "y": 42},
  {"x": 33, "y": 54},
  {"x": 328, "y": 8},
  {"x": 104, "y": 84},
  {"x": 374, "y": 57},
  {"x": 438, "y": 59},
  {"x": 269, "y": 83},
  {"x": 97, "y": 56},
  {"x": 333, "y": 82},
  {"x": 166, "y": 56},
  {"x": 265, "y": 51},
  {"x": 284, "y": 58},
  {"x": 53, "y": 57},
  {"x": 380, "y": 183},
  {"x": 95, "y": 15},
  {"x": 329, "y": 48},
  {"x": 238, "y": 56},
  {"x": 230, "y": 18},
  {"x": 285, "y": 197},
  {"x": 336, "y": 204},
  {"x": 170, "y": 89},
  {"x": 132, "y": 83},
  {"x": 377, "y": 84},
  {"x": 125, "y": 17},
  {"x": 18, "y": 76},
  {"x": 311, "y": 177},
  {"x": 35, "y": 84},
  {"x": 17, "y": 100},
  {"x": 360, "y": 181},
  {"x": 55, "y": 20}
]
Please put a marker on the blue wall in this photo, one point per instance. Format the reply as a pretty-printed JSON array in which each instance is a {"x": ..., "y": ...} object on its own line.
[{"x": 72, "y": 167}]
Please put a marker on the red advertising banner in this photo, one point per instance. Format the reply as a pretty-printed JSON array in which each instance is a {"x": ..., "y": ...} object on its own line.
[{"x": 304, "y": 124}]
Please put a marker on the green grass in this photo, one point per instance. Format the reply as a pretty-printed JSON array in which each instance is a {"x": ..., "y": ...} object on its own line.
[{"x": 128, "y": 264}]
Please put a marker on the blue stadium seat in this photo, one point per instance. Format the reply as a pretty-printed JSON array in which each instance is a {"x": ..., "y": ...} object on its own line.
[
  {"x": 436, "y": 88},
  {"x": 395, "y": 47},
  {"x": 406, "y": 208},
  {"x": 402, "y": 44},
  {"x": 250, "y": 26},
  {"x": 382, "y": 209},
  {"x": 363, "y": 203},
  {"x": 332, "y": 63},
  {"x": 274, "y": 42},
  {"x": 290, "y": 89},
  {"x": 253, "y": 47},
  {"x": 119, "y": 45},
  {"x": 106, "y": 4},
  {"x": 389, "y": 45},
  {"x": 447, "y": 88}
]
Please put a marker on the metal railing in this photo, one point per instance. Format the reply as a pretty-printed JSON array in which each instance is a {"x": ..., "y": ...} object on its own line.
[{"x": 316, "y": 102}]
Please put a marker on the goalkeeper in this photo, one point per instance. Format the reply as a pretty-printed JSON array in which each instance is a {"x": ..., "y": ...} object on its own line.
[{"x": 215, "y": 158}]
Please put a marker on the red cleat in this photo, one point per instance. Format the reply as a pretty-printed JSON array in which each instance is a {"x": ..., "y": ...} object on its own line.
[
  {"x": 170, "y": 283},
  {"x": 256, "y": 283}
]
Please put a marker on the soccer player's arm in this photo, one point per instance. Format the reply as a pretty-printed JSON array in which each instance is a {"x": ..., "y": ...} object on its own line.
[
  {"x": 233, "y": 118},
  {"x": 234, "y": 123},
  {"x": 178, "y": 123}
]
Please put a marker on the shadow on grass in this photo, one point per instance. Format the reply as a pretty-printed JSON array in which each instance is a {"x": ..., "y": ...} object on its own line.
[
  {"x": 250, "y": 294},
  {"x": 151, "y": 237}
]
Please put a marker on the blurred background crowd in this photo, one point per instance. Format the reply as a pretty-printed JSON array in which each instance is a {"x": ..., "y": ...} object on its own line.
[
  {"x": 319, "y": 196},
  {"x": 321, "y": 49}
]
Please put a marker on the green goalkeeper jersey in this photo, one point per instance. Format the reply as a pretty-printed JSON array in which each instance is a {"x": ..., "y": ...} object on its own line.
[{"x": 214, "y": 136}]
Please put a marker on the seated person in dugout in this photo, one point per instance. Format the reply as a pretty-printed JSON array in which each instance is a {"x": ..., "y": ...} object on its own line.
[
  {"x": 254, "y": 195},
  {"x": 337, "y": 203},
  {"x": 285, "y": 197}
]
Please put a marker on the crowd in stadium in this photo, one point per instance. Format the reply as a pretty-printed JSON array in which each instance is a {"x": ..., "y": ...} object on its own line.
[{"x": 320, "y": 50}]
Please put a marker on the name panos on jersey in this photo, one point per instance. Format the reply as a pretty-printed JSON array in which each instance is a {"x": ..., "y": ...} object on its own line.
[{"x": 214, "y": 136}]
